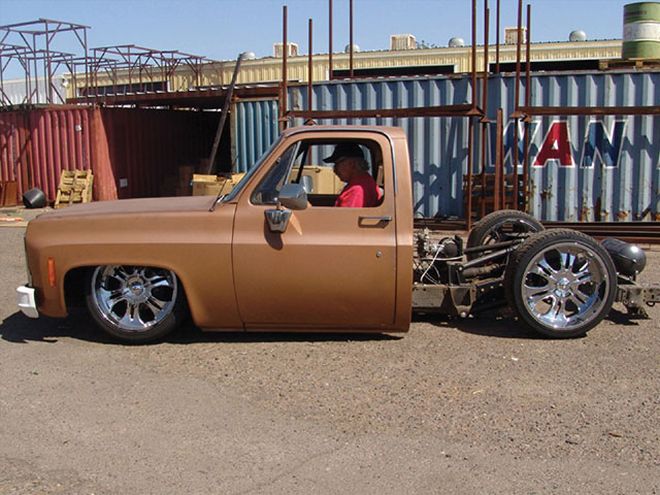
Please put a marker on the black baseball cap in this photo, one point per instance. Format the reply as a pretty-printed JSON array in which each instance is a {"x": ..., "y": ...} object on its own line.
[{"x": 345, "y": 150}]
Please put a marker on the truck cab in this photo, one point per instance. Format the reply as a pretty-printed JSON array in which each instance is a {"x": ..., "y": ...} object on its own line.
[{"x": 328, "y": 267}]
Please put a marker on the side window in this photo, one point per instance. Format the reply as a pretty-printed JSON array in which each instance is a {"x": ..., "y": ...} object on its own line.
[{"x": 304, "y": 163}]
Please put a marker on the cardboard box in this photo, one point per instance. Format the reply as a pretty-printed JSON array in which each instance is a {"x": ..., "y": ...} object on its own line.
[{"x": 211, "y": 185}]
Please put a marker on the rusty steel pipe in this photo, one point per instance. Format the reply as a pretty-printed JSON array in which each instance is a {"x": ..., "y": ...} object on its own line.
[
  {"x": 285, "y": 89},
  {"x": 468, "y": 214},
  {"x": 438, "y": 111},
  {"x": 528, "y": 97},
  {"x": 497, "y": 39},
  {"x": 650, "y": 110},
  {"x": 498, "y": 186},
  {"x": 484, "y": 107},
  {"x": 350, "y": 42},
  {"x": 310, "y": 69},
  {"x": 474, "y": 55},
  {"x": 330, "y": 40},
  {"x": 516, "y": 132}
]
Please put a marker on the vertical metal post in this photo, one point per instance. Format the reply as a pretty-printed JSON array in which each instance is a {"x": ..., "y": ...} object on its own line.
[
  {"x": 474, "y": 55},
  {"x": 330, "y": 69},
  {"x": 497, "y": 39},
  {"x": 498, "y": 185},
  {"x": 471, "y": 119},
  {"x": 310, "y": 69},
  {"x": 48, "y": 67},
  {"x": 36, "y": 69},
  {"x": 350, "y": 41},
  {"x": 284, "y": 110},
  {"x": 130, "y": 71},
  {"x": 516, "y": 137},
  {"x": 484, "y": 107},
  {"x": 468, "y": 214},
  {"x": 528, "y": 99},
  {"x": 87, "y": 82}
]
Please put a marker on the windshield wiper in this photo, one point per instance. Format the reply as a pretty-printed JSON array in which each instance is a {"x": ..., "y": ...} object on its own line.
[{"x": 219, "y": 197}]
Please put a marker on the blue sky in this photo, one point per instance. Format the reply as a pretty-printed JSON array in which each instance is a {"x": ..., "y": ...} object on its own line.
[{"x": 221, "y": 29}]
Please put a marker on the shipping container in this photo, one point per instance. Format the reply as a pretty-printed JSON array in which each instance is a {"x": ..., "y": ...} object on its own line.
[
  {"x": 584, "y": 168},
  {"x": 131, "y": 152}
]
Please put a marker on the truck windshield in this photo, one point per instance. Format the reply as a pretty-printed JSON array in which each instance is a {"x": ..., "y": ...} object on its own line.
[{"x": 246, "y": 178}]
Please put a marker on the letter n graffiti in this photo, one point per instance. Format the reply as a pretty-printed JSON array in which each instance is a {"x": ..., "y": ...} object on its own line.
[{"x": 602, "y": 145}]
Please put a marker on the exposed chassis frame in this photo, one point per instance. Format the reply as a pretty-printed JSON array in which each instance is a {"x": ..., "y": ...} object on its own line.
[{"x": 465, "y": 293}]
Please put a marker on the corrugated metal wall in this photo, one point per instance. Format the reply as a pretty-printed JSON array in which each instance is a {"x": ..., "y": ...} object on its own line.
[
  {"x": 254, "y": 127},
  {"x": 143, "y": 147},
  {"x": 18, "y": 93},
  {"x": 35, "y": 146},
  {"x": 582, "y": 168}
]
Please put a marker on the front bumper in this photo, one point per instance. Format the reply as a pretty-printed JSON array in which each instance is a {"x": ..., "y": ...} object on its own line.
[{"x": 26, "y": 301}]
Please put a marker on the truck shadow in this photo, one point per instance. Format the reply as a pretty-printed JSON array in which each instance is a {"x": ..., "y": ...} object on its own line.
[
  {"x": 507, "y": 328},
  {"x": 19, "y": 329}
]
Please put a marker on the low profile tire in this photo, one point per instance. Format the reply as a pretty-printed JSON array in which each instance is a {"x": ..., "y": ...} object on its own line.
[
  {"x": 501, "y": 226},
  {"x": 561, "y": 283},
  {"x": 135, "y": 304}
]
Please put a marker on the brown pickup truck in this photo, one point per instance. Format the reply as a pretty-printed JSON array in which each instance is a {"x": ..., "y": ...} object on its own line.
[{"x": 275, "y": 254}]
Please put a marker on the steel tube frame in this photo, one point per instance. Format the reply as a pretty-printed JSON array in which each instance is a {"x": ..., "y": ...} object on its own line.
[
  {"x": 528, "y": 96},
  {"x": 284, "y": 86},
  {"x": 310, "y": 68},
  {"x": 350, "y": 41},
  {"x": 484, "y": 105},
  {"x": 31, "y": 33},
  {"x": 330, "y": 69}
]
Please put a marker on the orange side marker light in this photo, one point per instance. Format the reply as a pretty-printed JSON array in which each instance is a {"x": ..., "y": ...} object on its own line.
[{"x": 51, "y": 272}]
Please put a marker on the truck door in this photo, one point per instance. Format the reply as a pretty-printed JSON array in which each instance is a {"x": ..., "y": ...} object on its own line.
[{"x": 333, "y": 267}]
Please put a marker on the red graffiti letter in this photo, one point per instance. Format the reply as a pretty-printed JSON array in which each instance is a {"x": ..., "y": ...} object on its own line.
[{"x": 556, "y": 146}]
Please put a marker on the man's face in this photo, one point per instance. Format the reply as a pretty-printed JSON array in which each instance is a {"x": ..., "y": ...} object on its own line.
[{"x": 344, "y": 168}]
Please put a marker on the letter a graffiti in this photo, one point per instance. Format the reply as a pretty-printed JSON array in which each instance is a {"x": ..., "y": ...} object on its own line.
[{"x": 556, "y": 146}]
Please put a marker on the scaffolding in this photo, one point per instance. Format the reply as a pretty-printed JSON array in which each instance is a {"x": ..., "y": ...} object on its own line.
[{"x": 33, "y": 46}]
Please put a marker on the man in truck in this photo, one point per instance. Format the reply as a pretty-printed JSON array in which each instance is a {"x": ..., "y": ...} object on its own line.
[{"x": 350, "y": 166}]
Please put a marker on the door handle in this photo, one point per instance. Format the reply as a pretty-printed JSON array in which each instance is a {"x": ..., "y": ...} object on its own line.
[
  {"x": 374, "y": 222},
  {"x": 384, "y": 218}
]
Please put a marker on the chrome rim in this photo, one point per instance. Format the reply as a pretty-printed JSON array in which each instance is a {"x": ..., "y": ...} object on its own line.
[
  {"x": 134, "y": 298},
  {"x": 565, "y": 286}
]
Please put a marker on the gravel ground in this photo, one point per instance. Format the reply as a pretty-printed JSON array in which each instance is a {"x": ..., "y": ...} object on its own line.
[{"x": 454, "y": 406}]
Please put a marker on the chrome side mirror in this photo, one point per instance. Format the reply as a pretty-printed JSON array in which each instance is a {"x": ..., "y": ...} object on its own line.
[
  {"x": 293, "y": 196},
  {"x": 307, "y": 183}
]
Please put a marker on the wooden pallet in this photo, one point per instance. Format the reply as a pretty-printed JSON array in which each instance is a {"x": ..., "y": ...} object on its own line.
[
  {"x": 75, "y": 187},
  {"x": 633, "y": 63},
  {"x": 8, "y": 193}
]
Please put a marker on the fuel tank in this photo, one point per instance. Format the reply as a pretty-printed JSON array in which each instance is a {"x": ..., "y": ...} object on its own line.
[{"x": 629, "y": 259}]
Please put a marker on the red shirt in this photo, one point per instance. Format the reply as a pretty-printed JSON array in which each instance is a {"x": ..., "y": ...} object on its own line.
[{"x": 361, "y": 191}]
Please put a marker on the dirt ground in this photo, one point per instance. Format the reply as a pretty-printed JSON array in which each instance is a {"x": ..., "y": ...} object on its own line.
[{"x": 458, "y": 406}]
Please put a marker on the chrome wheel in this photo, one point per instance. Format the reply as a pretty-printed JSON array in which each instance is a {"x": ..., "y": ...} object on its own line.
[
  {"x": 565, "y": 286},
  {"x": 133, "y": 299},
  {"x": 560, "y": 282}
]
